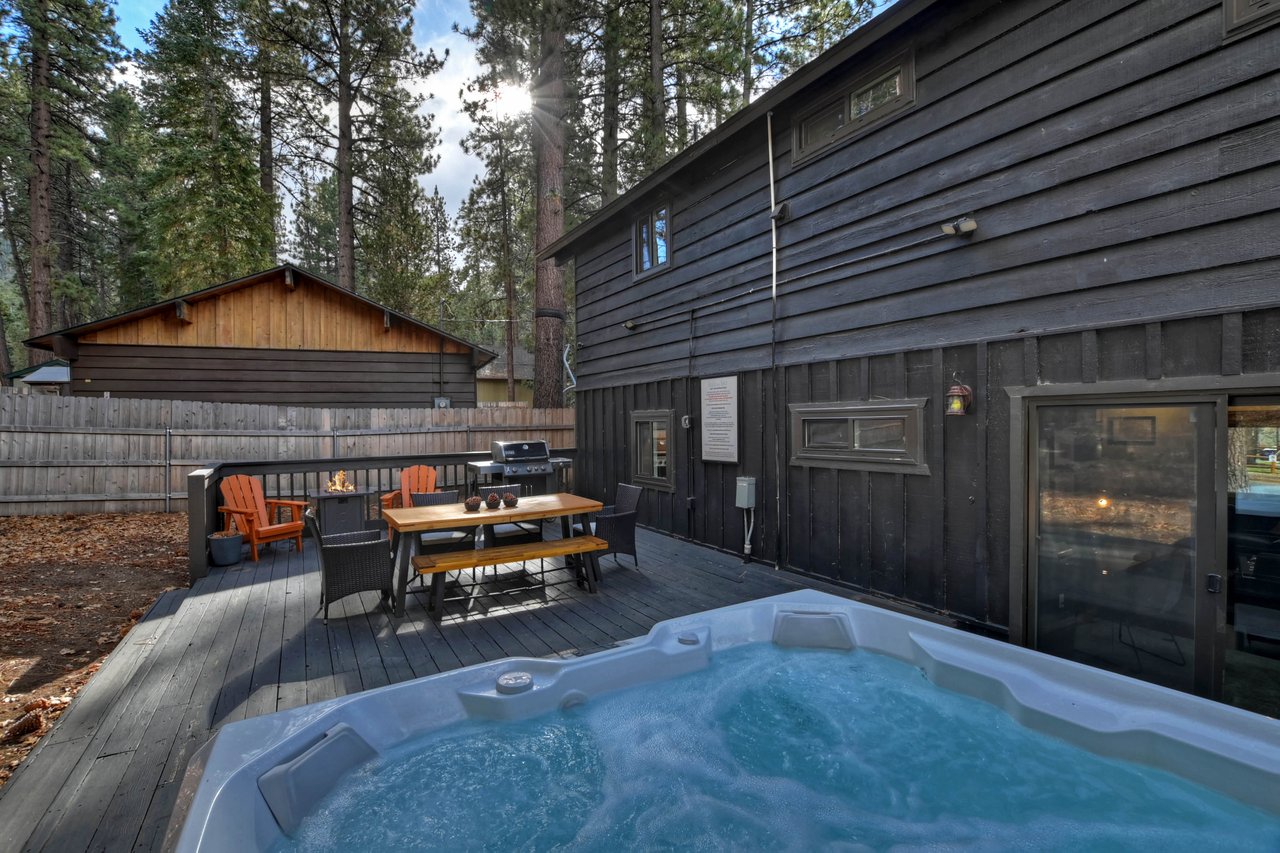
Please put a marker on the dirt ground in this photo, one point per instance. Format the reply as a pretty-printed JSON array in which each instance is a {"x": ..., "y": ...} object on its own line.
[{"x": 71, "y": 586}]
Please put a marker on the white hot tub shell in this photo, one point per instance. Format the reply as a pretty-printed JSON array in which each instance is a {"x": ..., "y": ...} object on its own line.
[{"x": 259, "y": 778}]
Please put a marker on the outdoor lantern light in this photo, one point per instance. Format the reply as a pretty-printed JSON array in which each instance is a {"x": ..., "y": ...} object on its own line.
[
  {"x": 959, "y": 396},
  {"x": 629, "y": 325}
]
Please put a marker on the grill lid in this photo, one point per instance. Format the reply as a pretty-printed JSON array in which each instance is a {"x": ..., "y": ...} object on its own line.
[{"x": 520, "y": 451}]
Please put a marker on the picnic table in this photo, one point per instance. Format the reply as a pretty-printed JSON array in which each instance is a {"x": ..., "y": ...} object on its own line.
[{"x": 409, "y": 521}]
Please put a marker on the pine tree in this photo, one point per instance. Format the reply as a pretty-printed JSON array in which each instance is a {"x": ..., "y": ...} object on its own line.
[
  {"x": 315, "y": 226},
  {"x": 496, "y": 220},
  {"x": 66, "y": 48},
  {"x": 356, "y": 55},
  {"x": 209, "y": 218},
  {"x": 126, "y": 156}
]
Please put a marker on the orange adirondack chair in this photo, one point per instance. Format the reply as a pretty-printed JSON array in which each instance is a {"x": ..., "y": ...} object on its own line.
[
  {"x": 415, "y": 479},
  {"x": 254, "y": 515}
]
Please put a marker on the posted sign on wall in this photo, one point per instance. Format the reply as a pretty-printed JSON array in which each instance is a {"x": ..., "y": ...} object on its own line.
[{"x": 720, "y": 419}]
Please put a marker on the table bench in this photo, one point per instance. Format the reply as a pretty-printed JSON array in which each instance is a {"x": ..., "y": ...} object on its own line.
[{"x": 437, "y": 565}]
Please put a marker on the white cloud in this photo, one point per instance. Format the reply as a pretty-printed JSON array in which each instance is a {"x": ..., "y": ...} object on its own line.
[{"x": 433, "y": 29}]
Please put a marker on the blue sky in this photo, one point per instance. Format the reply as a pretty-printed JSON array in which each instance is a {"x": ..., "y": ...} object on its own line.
[{"x": 433, "y": 28}]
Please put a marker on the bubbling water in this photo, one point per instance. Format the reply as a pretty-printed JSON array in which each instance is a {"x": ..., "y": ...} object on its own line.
[{"x": 776, "y": 750}]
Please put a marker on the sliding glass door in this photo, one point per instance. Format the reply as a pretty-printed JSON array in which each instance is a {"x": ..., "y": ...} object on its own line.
[{"x": 1123, "y": 515}]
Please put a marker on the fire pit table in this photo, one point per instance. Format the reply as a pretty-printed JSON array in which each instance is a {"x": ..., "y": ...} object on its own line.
[{"x": 342, "y": 509}]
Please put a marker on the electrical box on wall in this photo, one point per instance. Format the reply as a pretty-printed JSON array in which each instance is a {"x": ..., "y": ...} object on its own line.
[{"x": 744, "y": 497}]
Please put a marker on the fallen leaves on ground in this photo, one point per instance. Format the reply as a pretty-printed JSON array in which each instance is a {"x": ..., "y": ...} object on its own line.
[{"x": 71, "y": 587}]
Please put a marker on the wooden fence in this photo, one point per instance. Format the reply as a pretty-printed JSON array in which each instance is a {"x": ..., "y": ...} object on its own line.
[{"x": 92, "y": 454}]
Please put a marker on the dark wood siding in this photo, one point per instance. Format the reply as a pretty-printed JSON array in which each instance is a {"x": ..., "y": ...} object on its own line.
[
  {"x": 1121, "y": 160},
  {"x": 938, "y": 542},
  {"x": 303, "y": 377}
]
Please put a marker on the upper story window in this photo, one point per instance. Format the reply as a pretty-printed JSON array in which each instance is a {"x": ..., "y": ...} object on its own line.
[
  {"x": 889, "y": 89},
  {"x": 653, "y": 240}
]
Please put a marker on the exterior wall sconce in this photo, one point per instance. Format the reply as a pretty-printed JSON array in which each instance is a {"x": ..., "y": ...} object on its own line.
[
  {"x": 629, "y": 325},
  {"x": 959, "y": 397},
  {"x": 963, "y": 226}
]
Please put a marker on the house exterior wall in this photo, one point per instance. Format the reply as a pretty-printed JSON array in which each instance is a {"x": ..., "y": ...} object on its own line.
[
  {"x": 272, "y": 315},
  {"x": 301, "y": 377},
  {"x": 1121, "y": 160}
]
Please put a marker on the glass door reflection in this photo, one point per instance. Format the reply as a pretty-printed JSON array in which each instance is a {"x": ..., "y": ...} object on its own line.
[
  {"x": 1117, "y": 512},
  {"x": 1251, "y": 666}
]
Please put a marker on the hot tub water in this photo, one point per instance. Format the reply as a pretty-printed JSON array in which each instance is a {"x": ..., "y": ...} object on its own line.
[{"x": 770, "y": 749}]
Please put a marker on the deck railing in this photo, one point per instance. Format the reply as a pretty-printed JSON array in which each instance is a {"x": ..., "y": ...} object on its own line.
[{"x": 300, "y": 478}]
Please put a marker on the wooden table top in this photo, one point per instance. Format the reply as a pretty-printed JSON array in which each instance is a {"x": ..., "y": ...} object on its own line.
[{"x": 531, "y": 508}]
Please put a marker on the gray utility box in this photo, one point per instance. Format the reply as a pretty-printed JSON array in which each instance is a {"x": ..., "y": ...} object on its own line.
[{"x": 744, "y": 496}]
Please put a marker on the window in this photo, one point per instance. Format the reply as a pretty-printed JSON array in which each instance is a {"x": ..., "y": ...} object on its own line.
[
  {"x": 1242, "y": 17},
  {"x": 867, "y": 436},
  {"x": 873, "y": 97},
  {"x": 653, "y": 240},
  {"x": 650, "y": 432}
]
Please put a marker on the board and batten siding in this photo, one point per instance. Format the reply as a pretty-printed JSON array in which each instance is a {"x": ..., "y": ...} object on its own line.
[
  {"x": 938, "y": 542},
  {"x": 272, "y": 314},
  {"x": 1121, "y": 159}
]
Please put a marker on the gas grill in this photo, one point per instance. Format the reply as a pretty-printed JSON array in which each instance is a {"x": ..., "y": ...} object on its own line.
[{"x": 528, "y": 464}]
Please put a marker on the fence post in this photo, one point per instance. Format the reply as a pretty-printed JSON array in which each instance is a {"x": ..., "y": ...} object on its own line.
[
  {"x": 200, "y": 521},
  {"x": 168, "y": 469}
]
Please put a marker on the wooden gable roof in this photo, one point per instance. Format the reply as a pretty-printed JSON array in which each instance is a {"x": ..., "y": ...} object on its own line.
[{"x": 281, "y": 308}]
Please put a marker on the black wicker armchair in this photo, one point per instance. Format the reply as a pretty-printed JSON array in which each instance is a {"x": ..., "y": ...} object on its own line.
[
  {"x": 616, "y": 524},
  {"x": 351, "y": 563}
]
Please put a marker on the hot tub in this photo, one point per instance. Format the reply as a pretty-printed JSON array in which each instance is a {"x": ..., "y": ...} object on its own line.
[{"x": 261, "y": 782}]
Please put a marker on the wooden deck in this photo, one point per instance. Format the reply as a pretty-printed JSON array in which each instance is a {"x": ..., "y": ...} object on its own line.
[{"x": 245, "y": 641}]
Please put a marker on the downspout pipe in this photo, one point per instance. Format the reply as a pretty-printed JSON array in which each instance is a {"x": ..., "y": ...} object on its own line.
[{"x": 780, "y": 438}]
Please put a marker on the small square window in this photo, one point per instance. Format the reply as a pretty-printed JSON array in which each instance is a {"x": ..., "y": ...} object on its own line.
[
  {"x": 867, "y": 436},
  {"x": 653, "y": 240},
  {"x": 650, "y": 435}
]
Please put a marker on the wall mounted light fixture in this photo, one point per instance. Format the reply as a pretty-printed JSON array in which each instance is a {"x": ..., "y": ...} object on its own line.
[
  {"x": 962, "y": 226},
  {"x": 629, "y": 325},
  {"x": 959, "y": 397}
]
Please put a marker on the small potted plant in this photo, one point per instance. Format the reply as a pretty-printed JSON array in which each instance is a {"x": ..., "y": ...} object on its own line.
[
  {"x": 510, "y": 499},
  {"x": 473, "y": 503},
  {"x": 493, "y": 500},
  {"x": 224, "y": 546}
]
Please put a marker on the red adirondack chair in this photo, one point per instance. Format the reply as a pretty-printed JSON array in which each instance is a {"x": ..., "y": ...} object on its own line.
[
  {"x": 416, "y": 479},
  {"x": 255, "y": 516}
]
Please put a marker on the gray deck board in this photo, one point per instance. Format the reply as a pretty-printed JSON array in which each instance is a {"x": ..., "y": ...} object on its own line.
[{"x": 246, "y": 641}]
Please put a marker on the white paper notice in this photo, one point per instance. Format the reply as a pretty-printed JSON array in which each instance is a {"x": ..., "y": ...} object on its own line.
[{"x": 720, "y": 419}]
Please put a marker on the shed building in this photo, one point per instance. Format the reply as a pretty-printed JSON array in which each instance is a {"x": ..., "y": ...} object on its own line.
[
  {"x": 1066, "y": 213},
  {"x": 280, "y": 336}
]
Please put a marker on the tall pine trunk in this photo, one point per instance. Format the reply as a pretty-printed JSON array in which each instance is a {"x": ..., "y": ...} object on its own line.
[
  {"x": 657, "y": 90},
  {"x": 40, "y": 304},
  {"x": 346, "y": 187},
  {"x": 508, "y": 269},
  {"x": 609, "y": 112},
  {"x": 548, "y": 149},
  {"x": 748, "y": 51},
  {"x": 266, "y": 143}
]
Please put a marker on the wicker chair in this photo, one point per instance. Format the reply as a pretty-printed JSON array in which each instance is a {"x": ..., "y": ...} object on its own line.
[
  {"x": 518, "y": 533},
  {"x": 436, "y": 541},
  {"x": 616, "y": 524},
  {"x": 351, "y": 563}
]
